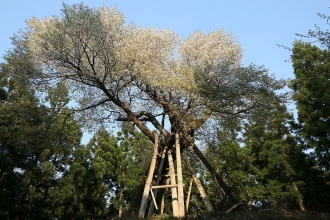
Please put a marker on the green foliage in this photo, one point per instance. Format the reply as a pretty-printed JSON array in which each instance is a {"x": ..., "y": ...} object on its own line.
[
  {"x": 133, "y": 158},
  {"x": 312, "y": 95},
  {"x": 35, "y": 147},
  {"x": 232, "y": 161},
  {"x": 277, "y": 160},
  {"x": 265, "y": 163}
]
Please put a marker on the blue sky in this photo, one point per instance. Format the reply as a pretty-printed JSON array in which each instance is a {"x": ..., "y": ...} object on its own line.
[{"x": 258, "y": 25}]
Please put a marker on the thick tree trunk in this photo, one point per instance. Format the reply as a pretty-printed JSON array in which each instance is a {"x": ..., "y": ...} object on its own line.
[{"x": 146, "y": 191}]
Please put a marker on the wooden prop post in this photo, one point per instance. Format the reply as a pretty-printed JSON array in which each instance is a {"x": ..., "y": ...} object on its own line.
[
  {"x": 178, "y": 206},
  {"x": 144, "y": 201},
  {"x": 152, "y": 204},
  {"x": 181, "y": 211},
  {"x": 188, "y": 196},
  {"x": 200, "y": 189},
  {"x": 174, "y": 191}
]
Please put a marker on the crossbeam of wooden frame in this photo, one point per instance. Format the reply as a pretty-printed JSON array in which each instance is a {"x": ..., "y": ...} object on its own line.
[{"x": 164, "y": 186}]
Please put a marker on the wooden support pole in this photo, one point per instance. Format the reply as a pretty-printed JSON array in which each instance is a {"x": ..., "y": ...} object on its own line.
[
  {"x": 152, "y": 204},
  {"x": 180, "y": 179},
  {"x": 200, "y": 188},
  {"x": 164, "y": 186},
  {"x": 203, "y": 194},
  {"x": 173, "y": 182},
  {"x": 147, "y": 186},
  {"x": 188, "y": 196},
  {"x": 162, "y": 205},
  {"x": 153, "y": 199}
]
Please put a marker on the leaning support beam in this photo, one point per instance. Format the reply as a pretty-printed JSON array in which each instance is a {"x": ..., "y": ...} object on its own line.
[
  {"x": 152, "y": 204},
  {"x": 180, "y": 179},
  {"x": 203, "y": 194},
  {"x": 200, "y": 188},
  {"x": 173, "y": 182},
  {"x": 188, "y": 196},
  {"x": 153, "y": 199},
  {"x": 144, "y": 201}
]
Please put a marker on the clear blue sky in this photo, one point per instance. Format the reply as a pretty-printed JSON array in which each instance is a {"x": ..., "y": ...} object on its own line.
[{"x": 258, "y": 25}]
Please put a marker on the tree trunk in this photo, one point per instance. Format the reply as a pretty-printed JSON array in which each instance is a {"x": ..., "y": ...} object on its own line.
[
  {"x": 147, "y": 186},
  {"x": 301, "y": 201},
  {"x": 120, "y": 211}
]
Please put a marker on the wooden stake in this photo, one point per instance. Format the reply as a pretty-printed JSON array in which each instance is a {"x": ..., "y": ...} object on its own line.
[
  {"x": 152, "y": 204},
  {"x": 188, "y": 196},
  {"x": 201, "y": 189},
  {"x": 147, "y": 186},
  {"x": 203, "y": 194},
  {"x": 180, "y": 179},
  {"x": 173, "y": 182}
]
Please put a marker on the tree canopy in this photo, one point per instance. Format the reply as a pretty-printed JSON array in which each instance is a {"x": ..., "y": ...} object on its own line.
[
  {"x": 118, "y": 71},
  {"x": 87, "y": 68}
]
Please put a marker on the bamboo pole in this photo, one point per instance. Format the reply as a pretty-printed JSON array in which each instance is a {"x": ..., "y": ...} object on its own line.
[
  {"x": 152, "y": 204},
  {"x": 180, "y": 179},
  {"x": 173, "y": 182},
  {"x": 147, "y": 186}
]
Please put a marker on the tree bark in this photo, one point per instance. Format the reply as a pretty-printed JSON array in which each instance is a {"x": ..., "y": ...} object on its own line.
[
  {"x": 301, "y": 201},
  {"x": 120, "y": 211}
]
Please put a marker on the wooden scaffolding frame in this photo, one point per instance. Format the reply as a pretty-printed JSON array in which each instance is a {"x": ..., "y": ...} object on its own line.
[{"x": 174, "y": 182}]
